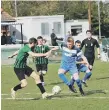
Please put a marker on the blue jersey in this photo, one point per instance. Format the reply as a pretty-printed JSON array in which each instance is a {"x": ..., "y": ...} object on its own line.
[{"x": 69, "y": 56}]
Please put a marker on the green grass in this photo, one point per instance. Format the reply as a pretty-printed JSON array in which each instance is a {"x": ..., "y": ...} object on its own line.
[{"x": 98, "y": 86}]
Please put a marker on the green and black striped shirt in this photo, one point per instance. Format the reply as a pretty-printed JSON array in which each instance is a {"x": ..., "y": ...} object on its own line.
[
  {"x": 22, "y": 57},
  {"x": 41, "y": 49}
]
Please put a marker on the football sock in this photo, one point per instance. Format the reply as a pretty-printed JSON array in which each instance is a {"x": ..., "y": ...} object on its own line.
[
  {"x": 41, "y": 78},
  {"x": 63, "y": 78},
  {"x": 87, "y": 76},
  {"x": 17, "y": 87},
  {"x": 72, "y": 81},
  {"x": 41, "y": 87},
  {"x": 78, "y": 81}
]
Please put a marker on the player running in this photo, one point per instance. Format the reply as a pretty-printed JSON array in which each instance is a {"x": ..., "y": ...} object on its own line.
[
  {"x": 21, "y": 69},
  {"x": 82, "y": 66},
  {"x": 68, "y": 63},
  {"x": 90, "y": 44},
  {"x": 41, "y": 62}
]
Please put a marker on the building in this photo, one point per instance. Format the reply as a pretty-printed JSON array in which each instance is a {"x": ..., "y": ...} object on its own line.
[
  {"x": 34, "y": 26},
  {"x": 78, "y": 28},
  {"x": 5, "y": 18}
]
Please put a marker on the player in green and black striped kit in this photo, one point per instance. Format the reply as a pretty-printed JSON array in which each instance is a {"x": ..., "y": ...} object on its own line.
[
  {"x": 41, "y": 62},
  {"x": 21, "y": 69}
]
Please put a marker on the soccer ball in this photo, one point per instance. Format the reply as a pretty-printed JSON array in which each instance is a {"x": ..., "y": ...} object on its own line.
[{"x": 56, "y": 89}]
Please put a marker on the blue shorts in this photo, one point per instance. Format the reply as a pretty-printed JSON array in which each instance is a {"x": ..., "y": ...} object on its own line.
[
  {"x": 82, "y": 68},
  {"x": 72, "y": 68}
]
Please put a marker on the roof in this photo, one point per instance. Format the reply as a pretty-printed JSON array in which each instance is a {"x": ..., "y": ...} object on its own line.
[
  {"x": 5, "y": 17},
  {"x": 11, "y": 23},
  {"x": 40, "y": 17}
]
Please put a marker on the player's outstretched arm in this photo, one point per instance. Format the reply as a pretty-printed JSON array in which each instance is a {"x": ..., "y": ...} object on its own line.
[
  {"x": 14, "y": 54},
  {"x": 55, "y": 48},
  {"x": 39, "y": 54}
]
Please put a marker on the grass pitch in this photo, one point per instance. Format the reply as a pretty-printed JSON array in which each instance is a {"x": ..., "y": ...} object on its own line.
[{"x": 29, "y": 98}]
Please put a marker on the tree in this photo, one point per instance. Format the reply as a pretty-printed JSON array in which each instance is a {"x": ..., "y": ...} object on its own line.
[{"x": 70, "y": 10}]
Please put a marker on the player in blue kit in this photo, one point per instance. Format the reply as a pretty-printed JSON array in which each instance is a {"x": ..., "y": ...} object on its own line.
[
  {"x": 68, "y": 63},
  {"x": 82, "y": 67}
]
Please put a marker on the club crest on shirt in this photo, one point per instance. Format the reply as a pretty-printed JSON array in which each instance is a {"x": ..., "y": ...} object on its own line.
[
  {"x": 91, "y": 44},
  {"x": 86, "y": 44}
]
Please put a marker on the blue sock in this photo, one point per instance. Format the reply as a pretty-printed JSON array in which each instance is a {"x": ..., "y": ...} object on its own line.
[
  {"x": 87, "y": 76},
  {"x": 72, "y": 81},
  {"x": 63, "y": 78},
  {"x": 78, "y": 81}
]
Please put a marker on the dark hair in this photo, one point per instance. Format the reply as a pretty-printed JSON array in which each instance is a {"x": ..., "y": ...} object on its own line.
[
  {"x": 78, "y": 41},
  {"x": 39, "y": 37},
  {"x": 89, "y": 31},
  {"x": 32, "y": 40},
  {"x": 14, "y": 32}
]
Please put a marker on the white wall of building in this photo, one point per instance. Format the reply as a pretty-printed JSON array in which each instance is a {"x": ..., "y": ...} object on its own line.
[
  {"x": 32, "y": 25},
  {"x": 83, "y": 23}
]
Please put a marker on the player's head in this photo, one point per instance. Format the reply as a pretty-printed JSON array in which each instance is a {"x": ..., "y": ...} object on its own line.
[
  {"x": 70, "y": 42},
  {"x": 89, "y": 33},
  {"x": 78, "y": 43},
  {"x": 40, "y": 40},
  {"x": 32, "y": 42}
]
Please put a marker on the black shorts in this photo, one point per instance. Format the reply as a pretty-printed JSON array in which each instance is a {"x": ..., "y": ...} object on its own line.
[
  {"x": 21, "y": 72},
  {"x": 41, "y": 67},
  {"x": 91, "y": 60}
]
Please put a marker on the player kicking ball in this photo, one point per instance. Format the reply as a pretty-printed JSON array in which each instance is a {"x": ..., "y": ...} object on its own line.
[
  {"x": 21, "y": 69},
  {"x": 83, "y": 66},
  {"x": 68, "y": 63}
]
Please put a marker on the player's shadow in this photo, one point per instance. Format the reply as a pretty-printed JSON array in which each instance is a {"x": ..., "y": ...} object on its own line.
[
  {"x": 55, "y": 83},
  {"x": 94, "y": 92},
  {"x": 65, "y": 95},
  {"x": 60, "y": 96},
  {"x": 28, "y": 99},
  {"x": 102, "y": 78}
]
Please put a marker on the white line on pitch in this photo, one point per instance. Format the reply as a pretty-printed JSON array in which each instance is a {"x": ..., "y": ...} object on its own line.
[
  {"x": 37, "y": 93},
  {"x": 105, "y": 91},
  {"x": 57, "y": 98}
]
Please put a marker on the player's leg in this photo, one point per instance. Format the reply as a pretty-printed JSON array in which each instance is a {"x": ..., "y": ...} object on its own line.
[
  {"x": 38, "y": 83},
  {"x": 74, "y": 73},
  {"x": 78, "y": 82},
  {"x": 39, "y": 70},
  {"x": 91, "y": 63},
  {"x": 72, "y": 81},
  {"x": 87, "y": 75},
  {"x": 23, "y": 83},
  {"x": 44, "y": 71},
  {"x": 61, "y": 74}
]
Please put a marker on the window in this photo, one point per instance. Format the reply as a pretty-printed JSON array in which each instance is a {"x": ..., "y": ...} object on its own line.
[
  {"x": 45, "y": 29},
  {"x": 57, "y": 27},
  {"x": 76, "y": 29}
]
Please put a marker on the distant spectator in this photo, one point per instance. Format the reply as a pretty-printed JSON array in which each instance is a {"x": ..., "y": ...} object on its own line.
[
  {"x": 3, "y": 39},
  {"x": 8, "y": 37},
  {"x": 45, "y": 42},
  {"x": 68, "y": 35},
  {"x": 13, "y": 37},
  {"x": 54, "y": 38}
]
